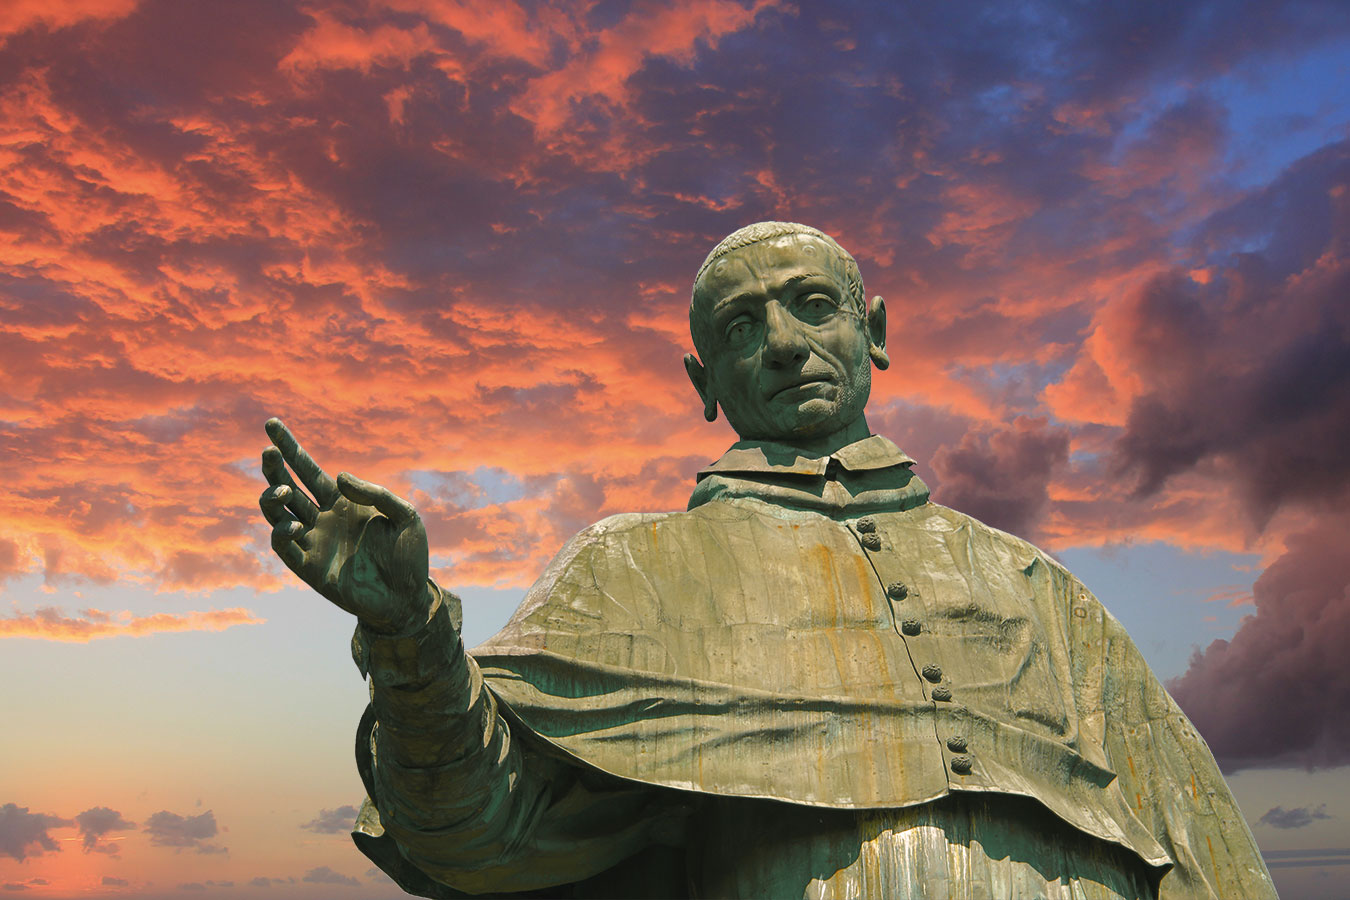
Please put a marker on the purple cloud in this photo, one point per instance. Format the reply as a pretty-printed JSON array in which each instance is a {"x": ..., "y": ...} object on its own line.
[
  {"x": 325, "y": 875},
  {"x": 167, "y": 829},
  {"x": 1278, "y": 693},
  {"x": 24, "y": 834},
  {"x": 332, "y": 821},
  {"x": 97, "y": 821},
  {"x": 1298, "y": 817}
]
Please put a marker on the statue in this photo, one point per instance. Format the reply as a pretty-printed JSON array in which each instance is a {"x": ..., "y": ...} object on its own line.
[{"x": 812, "y": 683}]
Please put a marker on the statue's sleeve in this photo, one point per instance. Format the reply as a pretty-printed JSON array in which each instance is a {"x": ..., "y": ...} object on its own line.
[
  {"x": 458, "y": 803},
  {"x": 1170, "y": 777}
]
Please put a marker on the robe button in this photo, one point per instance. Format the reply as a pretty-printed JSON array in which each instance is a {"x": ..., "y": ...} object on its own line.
[
  {"x": 962, "y": 765},
  {"x": 932, "y": 673},
  {"x": 897, "y": 590},
  {"x": 871, "y": 540},
  {"x": 910, "y": 627},
  {"x": 957, "y": 744},
  {"x": 866, "y": 525}
]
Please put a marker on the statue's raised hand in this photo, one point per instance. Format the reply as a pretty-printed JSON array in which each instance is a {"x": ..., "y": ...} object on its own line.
[{"x": 356, "y": 543}]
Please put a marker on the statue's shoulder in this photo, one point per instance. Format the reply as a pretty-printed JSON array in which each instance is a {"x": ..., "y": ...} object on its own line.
[
  {"x": 994, "y": 546},
  {"x": 624, "y": 526},
  {"x": 624, "y": 556},
  {"x": 935, "y": 516}
]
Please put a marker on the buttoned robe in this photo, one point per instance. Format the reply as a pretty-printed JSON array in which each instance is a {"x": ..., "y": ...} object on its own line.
[{"x": 813, "y": 682}]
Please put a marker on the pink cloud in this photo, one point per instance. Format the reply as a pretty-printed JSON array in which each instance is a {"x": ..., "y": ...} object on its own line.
[{"x": 49, "y": 623}]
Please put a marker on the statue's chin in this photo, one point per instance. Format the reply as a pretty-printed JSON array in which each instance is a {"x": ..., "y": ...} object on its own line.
[
  {"x": 808, "y": 419},
  {"x": 816, "y": 417}
]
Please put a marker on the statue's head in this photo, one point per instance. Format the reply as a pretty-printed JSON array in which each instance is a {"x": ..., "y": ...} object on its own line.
[{"x": 785, "y": 334}]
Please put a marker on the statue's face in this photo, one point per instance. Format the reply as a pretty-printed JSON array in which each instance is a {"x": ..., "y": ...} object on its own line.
[{"x": 787, "y": 353}]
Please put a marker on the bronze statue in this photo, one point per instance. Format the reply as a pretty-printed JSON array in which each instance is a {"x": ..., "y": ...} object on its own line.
[{"x": 813, "y": 683}]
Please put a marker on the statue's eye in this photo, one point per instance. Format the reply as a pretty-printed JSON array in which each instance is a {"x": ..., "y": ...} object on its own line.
[
  {"x": 739, "y": 331},
  {"x": 815, "y": 308}
]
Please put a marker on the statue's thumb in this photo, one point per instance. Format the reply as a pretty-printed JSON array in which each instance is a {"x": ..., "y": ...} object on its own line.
[
  {"x": 359, "y": 491},
  {"x": 356, "y": 490}
]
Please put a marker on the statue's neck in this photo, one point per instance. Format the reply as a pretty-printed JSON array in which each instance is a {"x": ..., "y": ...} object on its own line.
[{"x": 826, "y": 444}]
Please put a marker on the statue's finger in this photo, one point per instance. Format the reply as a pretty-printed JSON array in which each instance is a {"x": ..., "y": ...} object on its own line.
[
  {"x": 299, "y": 534},
  {"x": 286, "y": 547},
  {"x": 274, "y": 470},
  {"x": 275, "y": 510},
  {"x": 311, "y": 476},
  {"x": 386, "y": 501},
  {"x": 273, "y": 504}
]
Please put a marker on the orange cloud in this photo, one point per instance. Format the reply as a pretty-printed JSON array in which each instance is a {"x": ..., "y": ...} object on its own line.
[
  {"x": 981, "y": 216},
  {"x": 49, "y": 623},
  {"x": 332, "y": 44},
  {"x": 19, "y": 15},
  {"x": 441, "y": 238},
  {"x": 602, "y": 74}
]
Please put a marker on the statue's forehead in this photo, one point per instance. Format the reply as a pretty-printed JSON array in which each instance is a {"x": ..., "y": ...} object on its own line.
[{"x": 782, "y": 250}]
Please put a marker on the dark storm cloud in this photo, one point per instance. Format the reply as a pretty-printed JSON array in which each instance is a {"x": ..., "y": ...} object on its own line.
[
  {"x": 1278, "y": 693},
  {"x": 97, "y": 821},
  {"x": 332, "y": 821},
  {"x": 1001, "y": 477},
  {"x": 1252, "y": 369},
  {"x": 24, "y": 834},
  {"x": 1241, "y": 376},
  {"x": 1298, "y": 817},
  {"x": 167, "y": 829}
]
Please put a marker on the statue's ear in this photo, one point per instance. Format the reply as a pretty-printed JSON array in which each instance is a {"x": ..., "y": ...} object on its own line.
[
  {"x": 699, "y": 376},
  {"x": 876, "y": 332}
]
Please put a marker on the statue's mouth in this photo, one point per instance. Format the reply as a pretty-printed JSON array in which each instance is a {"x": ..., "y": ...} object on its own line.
[{"x": 810, "y": 381}]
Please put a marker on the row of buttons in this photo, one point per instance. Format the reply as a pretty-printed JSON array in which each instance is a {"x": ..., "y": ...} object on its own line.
[{"x": 961, "y": 763}]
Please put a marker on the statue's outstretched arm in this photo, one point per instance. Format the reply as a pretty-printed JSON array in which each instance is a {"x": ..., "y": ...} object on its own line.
[
  {"x": 470, "y": 803},
  {"x": 466, "y": 804}
]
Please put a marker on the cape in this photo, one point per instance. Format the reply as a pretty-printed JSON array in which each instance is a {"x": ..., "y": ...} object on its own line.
[
  {"x": 818, "y": 632},
  {"x": 744, "y": 649}
]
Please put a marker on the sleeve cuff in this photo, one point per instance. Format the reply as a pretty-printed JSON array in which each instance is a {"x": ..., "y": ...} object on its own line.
[{"x": 415, "y": 651}]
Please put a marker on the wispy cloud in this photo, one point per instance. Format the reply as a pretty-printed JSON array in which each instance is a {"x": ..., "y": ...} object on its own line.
[
  {"x": 1297, "y": 817},
  {"x": 1303, "y": 859},
  {"x": 49, "y": 623}
]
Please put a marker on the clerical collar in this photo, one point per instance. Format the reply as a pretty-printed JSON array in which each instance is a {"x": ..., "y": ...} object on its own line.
[
  {"x": 874, "y": 452},
  {"x": 870, "y": 475}
]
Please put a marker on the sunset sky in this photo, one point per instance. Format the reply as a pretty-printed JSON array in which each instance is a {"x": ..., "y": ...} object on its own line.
[{"x": 451, "y": 243}]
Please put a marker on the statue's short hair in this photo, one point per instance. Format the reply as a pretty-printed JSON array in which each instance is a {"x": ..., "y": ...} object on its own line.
[{"x": 763, "y": 231}]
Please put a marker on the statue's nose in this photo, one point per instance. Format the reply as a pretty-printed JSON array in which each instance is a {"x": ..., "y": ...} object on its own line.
[{"x": 783, "y": 339}]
